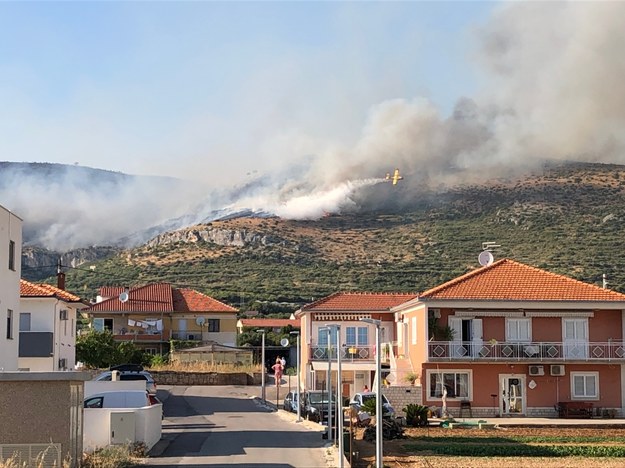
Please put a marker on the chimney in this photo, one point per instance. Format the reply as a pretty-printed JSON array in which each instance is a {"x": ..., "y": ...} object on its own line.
[{"x": 60, "y": 276}]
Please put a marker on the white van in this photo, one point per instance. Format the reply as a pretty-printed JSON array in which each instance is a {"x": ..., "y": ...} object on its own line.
[{"x": 118, "y": 399}]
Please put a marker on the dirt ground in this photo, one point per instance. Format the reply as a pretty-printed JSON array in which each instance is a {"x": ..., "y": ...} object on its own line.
[{"x": 395, "y": 455}]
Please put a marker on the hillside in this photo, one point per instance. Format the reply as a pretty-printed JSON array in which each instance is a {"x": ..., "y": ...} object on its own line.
[{"x": 568, "y": 219}]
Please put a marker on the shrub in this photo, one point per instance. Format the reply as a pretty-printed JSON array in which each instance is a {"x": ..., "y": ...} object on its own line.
[{"x": 416, "y": 415}]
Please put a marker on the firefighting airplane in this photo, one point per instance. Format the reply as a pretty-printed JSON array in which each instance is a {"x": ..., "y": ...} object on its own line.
[{"x": 395, "y": 177}]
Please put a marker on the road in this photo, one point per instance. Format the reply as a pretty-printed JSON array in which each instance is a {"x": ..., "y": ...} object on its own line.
[{"x": 229, "y": 426}]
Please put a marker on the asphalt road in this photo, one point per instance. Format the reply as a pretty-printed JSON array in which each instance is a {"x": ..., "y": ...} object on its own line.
[{"x": 229, "y": 426}]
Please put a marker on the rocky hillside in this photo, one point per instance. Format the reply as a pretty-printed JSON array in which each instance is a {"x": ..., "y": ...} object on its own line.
[{"x": 568, "y": 219}]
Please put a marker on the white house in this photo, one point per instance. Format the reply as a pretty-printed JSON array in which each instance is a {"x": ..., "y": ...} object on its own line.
[
  {"x": 47, "y": 327},
  {"x": 10, "y": 271}
]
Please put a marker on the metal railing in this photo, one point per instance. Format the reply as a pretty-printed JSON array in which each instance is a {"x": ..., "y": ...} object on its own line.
[
  {"x": 349, "y": 353},
  {"x": 530, "y": 352}
]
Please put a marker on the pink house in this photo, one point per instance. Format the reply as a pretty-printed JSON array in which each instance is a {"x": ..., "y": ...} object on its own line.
[{"x": 513, "y": 340}]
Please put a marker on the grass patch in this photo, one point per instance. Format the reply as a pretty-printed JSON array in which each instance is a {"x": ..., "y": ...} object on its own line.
[
  {"x": 114, "y": 456},
  {"x": 516, "y": 450},
  {"x": 199, "y": 366}
]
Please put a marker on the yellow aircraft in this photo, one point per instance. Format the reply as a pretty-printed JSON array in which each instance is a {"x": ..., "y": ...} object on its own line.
[{"x": 395, "y": 177}]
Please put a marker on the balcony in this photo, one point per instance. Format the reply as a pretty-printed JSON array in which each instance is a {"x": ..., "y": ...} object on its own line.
[
  {"x": 36, "y": 344},
  {"x": 608, "y": 351},
  {"x": 348, "y": 353},
  {"x": 186, "y": 335},
  {"x": 148, "y": 337}
]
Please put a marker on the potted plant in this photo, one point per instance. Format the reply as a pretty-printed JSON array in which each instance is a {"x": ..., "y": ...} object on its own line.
[{"x": 411, "y": 378}]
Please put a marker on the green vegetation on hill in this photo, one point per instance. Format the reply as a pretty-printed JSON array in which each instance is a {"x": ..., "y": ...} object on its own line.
[{"x": 567, "y": 219}]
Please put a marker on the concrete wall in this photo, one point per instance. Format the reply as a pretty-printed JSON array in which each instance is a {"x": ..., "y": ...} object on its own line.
[
  {"x": 43, "y": 408},
  {"x": 204, "y": 378},
  {"x": 10, "y": 230},
  {"x": 400, "y": 397},
  {"x": 97, "y": 421}
]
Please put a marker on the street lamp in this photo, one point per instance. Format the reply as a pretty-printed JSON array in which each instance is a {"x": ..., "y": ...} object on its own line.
[
  {"x": 339, "y": 391},
  {"x": 378, "y": 397},
  {"x": 262, "y": 364},
  {"x": 329, "y": 380},
  {"x": 299, "y": 417}
]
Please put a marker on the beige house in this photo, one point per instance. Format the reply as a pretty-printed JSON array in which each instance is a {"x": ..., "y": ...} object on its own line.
[
  {"x": 10, "y": 271},
  {"x": 47, "y": 327},
  {"x": 152, "y": 315}
]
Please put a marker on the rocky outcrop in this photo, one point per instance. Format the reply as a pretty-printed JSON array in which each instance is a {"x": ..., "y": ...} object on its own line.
[
  {"x": 39, "y": 263},
  {"x": 223, "y": 237}
]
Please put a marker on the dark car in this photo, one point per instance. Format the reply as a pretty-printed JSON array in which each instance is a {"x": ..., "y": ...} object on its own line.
[{"x": 315, "y": 404}]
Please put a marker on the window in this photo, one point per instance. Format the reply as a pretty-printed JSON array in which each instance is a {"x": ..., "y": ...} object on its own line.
[
  {"x": 363, "y": 336},
  {"x": 95, "y": 402},
  {"x": 414, "y": 330},
  {"x": 585, "y": 385},
  {"x": 102, "y": 324},
  {"x": 9, "y": 324},
  {"x": 456, "y": 382},
  {"x": 12, "y": 255},
  {"x": 25, "y": 321},
  {"x": 152, "y": 351},
  {"x": 350, "y": 336},
  {"x": 518, "y": 330},
  {"x": 213, "y": 325}
]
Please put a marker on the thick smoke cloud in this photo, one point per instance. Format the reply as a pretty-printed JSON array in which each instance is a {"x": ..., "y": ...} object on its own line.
[{"x": 551, "y": 77}]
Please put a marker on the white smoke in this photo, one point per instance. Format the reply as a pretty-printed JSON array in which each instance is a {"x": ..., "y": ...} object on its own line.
[{"x": 550, "y": 88}]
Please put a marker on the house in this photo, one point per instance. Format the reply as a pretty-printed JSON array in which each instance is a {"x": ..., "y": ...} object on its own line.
[
  {"x": 509, "y": 339},
  {"x": 152, "y": 315},
  {"x": 10, "y": 271},
  {"x": 47, "y": 327},
  {"x": 358, "y": 338}
]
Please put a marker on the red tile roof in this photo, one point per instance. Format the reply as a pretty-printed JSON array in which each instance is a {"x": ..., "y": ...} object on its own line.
[
  {"x": 157, "y": 297},
  {"x": 358, "y": 301},
  {"x": 28, "y": 289},
  {"x": 189, "y": 300},
  {"x": 270, "y": 323},
  {"x": 507, "y": 280}
]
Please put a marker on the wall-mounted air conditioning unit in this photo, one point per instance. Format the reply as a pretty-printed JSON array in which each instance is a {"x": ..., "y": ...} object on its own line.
[
  {"x": 537, "y": 370},
  {"x": 557, "y": 370},
  {"x": 63, "y": 314}
]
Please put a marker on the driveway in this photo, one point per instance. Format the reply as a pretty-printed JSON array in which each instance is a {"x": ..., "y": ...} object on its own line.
[{"x": 230, "y": 426}]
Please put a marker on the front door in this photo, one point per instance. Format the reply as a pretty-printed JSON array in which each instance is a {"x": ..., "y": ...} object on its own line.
[{"x": 512, "y": 395}]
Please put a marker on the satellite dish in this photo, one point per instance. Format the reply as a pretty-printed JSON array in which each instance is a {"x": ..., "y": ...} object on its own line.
[
  {"x": 123, "y": 297},
  {"x": 485, "y": 258},
  {"x": 200, "y": 321},
  {"x": 284, "y": 342}
]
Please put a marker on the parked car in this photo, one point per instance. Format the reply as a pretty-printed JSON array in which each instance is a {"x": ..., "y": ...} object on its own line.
[
  {"x": 315, "y": 405},
  {"x": 118, "y": 399},
  {"x": 358, "y": 400},
  {"x": 130, "y": 372},
  {"x": 290, "y": 403}
]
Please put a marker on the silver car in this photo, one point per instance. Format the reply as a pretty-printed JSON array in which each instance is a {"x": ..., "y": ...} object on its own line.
[
  {"x": 150, "y": 385},
  {"x": 359, "y": 400}
]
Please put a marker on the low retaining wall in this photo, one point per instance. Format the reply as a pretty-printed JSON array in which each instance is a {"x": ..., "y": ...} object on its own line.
[
  {"x": 205, "y": 378},
  {"x": 400, "y": 397}
]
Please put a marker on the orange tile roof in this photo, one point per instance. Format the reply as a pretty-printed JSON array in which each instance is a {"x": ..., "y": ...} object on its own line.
[
  {"x": 189, "y": 300},
  {"x": 157, "y": 297},
  {"x": 507, "y": 280},
  {"x": 358, "y": 301},
  {"x": 28, "y": 289},
  {"x": 270, "y": 322}
]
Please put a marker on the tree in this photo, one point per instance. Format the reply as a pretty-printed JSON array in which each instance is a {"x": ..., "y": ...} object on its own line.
[{"x": 99, "y": 349}]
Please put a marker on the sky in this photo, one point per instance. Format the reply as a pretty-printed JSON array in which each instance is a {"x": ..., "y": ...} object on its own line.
[
  {"x": 217, "y": 91},
  {"x": 297, "y": 109}
]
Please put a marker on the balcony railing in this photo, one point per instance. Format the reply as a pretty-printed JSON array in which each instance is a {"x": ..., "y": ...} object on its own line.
[
  {"x": 186, "y": 335},
  {"x": 530, "y": 352},
  {"x": 353, "y": 353}
]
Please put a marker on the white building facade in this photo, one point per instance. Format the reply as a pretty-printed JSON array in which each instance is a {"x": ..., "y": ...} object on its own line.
[{"x": 10, "y": 271}]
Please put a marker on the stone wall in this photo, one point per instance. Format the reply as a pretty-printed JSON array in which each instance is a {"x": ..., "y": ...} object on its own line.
[
  {"x": 399, "y": 397},
  {"x": 205, "y": 378}
]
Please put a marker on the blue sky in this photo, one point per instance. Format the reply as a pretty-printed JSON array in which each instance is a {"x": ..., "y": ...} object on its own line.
[{"x": 215, "y": 90}]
